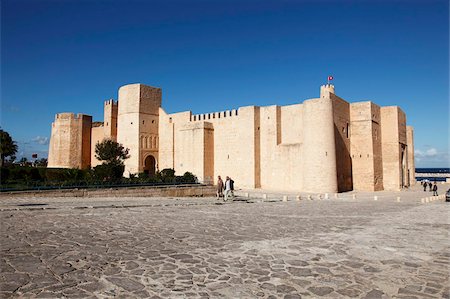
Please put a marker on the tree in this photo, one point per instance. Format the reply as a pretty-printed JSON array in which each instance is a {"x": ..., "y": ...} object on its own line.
[
  {"x": 113, "y": 155},
  {"x": 111, "y": 152},
  {"x": 8, "y": 147}
]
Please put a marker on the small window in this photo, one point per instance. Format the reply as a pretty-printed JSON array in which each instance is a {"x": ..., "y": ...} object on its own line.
[
  {"x": 143, "y": 122},
  {"x": 153, "y": 121}
]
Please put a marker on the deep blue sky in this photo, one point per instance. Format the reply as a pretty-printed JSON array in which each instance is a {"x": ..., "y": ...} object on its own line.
[{"x": 70, "y": 56}]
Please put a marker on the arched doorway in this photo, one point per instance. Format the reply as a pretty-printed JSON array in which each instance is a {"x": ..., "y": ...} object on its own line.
[{"x": 150, "y": 165}]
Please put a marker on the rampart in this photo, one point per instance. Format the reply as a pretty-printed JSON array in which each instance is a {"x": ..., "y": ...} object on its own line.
[{"x": 324, "y": 144}]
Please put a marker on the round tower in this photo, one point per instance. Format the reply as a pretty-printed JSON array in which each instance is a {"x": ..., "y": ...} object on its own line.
[
  {"x": 138, "y": 125},
  {"x": 319, "y": 149}
]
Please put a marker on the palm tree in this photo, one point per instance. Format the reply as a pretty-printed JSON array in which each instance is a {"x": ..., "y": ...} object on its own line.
[{"x": 8, "y": 147}]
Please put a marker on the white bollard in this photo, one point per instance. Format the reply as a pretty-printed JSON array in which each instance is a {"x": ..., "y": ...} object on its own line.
[
  {"x": 427, "y": 199},
  {"x": 375, "y": 197},
  {"x": 309, "y": 197},
  {"x": 354, "y": 196},
  {"x": 336, "y": 195},
  {"x": 246, "y": 194},
  {"x": 326, "y": 195},
  {"x": 285, "y": 198},
  {"x": 298, "y": 197},
  {"x": 264, "y": 196},
  {"x": 422, "y": 200},
  {"x": 398, "y": 198}
]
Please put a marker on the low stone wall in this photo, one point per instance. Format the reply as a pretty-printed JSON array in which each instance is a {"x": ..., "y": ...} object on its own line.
[{"x": 150, "y": 191}]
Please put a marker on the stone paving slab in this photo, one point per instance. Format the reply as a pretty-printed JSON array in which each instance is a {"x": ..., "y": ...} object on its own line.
[{"x": 198, "y": 248}]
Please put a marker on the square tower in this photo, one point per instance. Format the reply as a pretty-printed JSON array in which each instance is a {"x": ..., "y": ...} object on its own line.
[{"x": 137, "y": 126}]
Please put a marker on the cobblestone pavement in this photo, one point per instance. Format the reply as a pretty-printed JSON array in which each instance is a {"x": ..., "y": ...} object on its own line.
[{"x": 198, "y": 248}]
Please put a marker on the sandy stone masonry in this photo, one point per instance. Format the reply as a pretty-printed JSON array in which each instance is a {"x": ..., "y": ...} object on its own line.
[{"x": 324, "y": 144}]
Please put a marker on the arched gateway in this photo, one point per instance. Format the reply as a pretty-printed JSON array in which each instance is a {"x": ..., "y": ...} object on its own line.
[{"x": 150, "y": 165}]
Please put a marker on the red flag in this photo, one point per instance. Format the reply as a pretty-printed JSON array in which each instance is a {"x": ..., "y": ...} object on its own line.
[{"x": 330, "y": 78}]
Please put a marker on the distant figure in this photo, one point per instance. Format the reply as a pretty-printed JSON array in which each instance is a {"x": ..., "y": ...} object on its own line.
[
  {"x": 227, "y": 188},
  {"x": 435, "y": 189},
  {"x": 430, "y": 185},
  {"x": 424, "y": 186},
  {"x": 219, "y": 187},
  {"x": 232, "y": 187}
]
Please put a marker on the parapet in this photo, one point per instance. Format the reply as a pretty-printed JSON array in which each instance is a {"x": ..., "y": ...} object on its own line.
[
  {"x": 71, "y": 115},
  {"x": 326, "y": 89},
  {"x": 111, "y": 102},
  {"x": 214, "y": 115}
]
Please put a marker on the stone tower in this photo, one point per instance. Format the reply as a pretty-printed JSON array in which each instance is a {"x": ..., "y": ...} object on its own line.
[
  {"x": 110, "y": 119},
  {"x": 137, "y": 126},
  {"x": 70, "y": 141},
  {"x": 319, "y": 149}
]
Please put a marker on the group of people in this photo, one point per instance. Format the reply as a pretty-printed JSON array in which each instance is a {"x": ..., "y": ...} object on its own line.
[
  {"x": 432, "y": 187},
  {"x": 225, "y": 189}
]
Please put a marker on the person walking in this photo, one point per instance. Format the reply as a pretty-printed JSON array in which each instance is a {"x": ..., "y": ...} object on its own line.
[
  {"x": 220, "y": 186},
  {"x": 227, "y": 188},
  {"x": 425, "y": 183},
  {"x": 232, "y": 187},
  {"x": 435, "y": 188},
  {"x": 430, "y": 185}
]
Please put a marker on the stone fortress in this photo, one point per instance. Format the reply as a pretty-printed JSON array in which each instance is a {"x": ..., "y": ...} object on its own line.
[{"x": 324, "y": 144}]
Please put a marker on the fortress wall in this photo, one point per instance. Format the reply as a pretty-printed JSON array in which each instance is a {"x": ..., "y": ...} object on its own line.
[
  {"x": 341, "y": 116},
  {"x": 393, "y": 142},
  {"x": 280, "y": 147},
  {"x": 97, "y": 135},
  {"x": 269, "y": 137},
  {"x": 235, "y": 146},
  {"x": 366, "y": 146},
  {"x": 403, "y": 158},
  {"x": 191, "y": 153},
  {"x": 377, "y": 148},
  {"x": 86, "y": 125},
  {"x": 70, "y": 141},
  {"x": 230, "y": 146},
  {"x": 319, "y": 148},
  {"x": 411, "y": 163},
  {"x": 168, "y": 124},
  {"x": 291, "y": 123}
]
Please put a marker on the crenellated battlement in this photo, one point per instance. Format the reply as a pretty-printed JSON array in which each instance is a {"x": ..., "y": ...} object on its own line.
[
  {"x": 111, "y": 102},
  {"x": 326, "y": 89},
  {"x": 71, "y": 115},
  {"x": 214, "y": 115}
]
